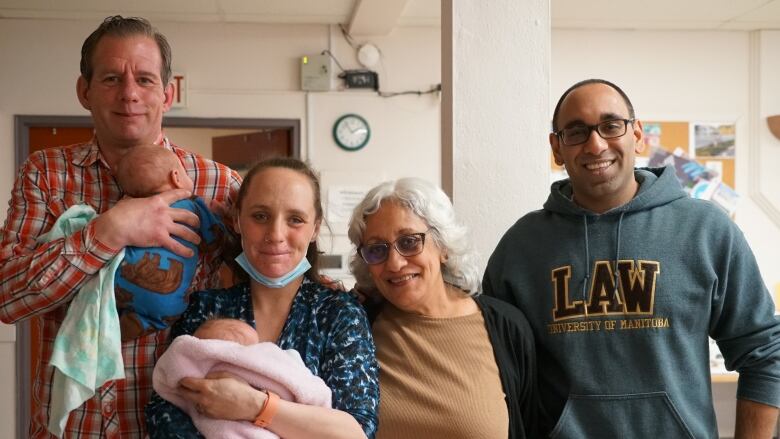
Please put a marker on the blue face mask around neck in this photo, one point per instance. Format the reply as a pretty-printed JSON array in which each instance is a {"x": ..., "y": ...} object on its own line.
[{"x": 276, "y": 282}]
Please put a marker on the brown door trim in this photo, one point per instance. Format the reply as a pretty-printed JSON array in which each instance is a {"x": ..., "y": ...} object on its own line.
[{"x": 22, "y": 124}]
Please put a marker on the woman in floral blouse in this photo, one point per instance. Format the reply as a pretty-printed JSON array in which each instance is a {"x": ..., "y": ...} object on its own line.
[{"x": 279, "y": 217}]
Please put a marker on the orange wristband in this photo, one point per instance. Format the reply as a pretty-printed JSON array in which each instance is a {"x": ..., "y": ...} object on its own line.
[{"x": 270, "y": 406}]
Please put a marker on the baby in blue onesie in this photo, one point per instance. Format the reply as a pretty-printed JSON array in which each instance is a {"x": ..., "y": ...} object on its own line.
[{"x": 152, "y": 283}]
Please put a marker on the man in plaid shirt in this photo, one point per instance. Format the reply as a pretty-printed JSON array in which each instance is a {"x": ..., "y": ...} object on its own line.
[{"x": 125, "y": 84}]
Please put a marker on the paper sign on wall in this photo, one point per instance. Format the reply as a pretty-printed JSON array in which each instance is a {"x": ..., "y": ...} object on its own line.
[{"x": 342, "y": 201}]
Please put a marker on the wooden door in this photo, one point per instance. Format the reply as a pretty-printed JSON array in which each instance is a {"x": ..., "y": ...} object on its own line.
[
  {"x": 47, "y": 137},
  {"x": 241, "y": 151}
]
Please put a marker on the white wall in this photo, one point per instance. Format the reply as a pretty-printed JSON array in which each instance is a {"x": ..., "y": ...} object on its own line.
[
  {"x": 690, "y": 76},
  {"x": 249, "y": 70},
  {"x": 240, "y": 70},
  {"x": 767, "y": 150},
  {"x": 770, "y": 105}
]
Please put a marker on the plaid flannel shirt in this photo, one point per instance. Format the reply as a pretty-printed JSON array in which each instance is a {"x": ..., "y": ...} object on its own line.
[{"x": 39, "y": 280}]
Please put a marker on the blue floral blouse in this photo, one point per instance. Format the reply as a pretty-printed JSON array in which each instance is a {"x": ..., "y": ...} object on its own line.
[{"x": 328, "y": 328}]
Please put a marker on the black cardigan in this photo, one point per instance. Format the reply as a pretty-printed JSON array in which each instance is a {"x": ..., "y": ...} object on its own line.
[{"x": 513, "y": 345}]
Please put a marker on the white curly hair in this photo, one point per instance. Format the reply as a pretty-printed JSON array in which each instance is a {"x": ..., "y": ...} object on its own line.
[{"x": 432, "y": 205}]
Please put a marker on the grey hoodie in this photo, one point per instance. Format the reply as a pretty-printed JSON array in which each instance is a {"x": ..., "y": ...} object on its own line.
[{"x": 624, "y": 353}]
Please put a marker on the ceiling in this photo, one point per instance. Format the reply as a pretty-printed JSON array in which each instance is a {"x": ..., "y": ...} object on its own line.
[
  {"x": 667, "y": 14},
  {"x": 378, "y": 17}
]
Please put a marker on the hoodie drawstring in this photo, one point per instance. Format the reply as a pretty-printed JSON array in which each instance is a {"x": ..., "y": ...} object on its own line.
[
  {"x": 616, "y": 272},
  {"x": 586, "y": 280},
  {"x": 617, "y": 255}
]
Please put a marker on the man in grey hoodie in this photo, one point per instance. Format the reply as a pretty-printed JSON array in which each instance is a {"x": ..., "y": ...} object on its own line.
[{"x": 623, "y": 279}]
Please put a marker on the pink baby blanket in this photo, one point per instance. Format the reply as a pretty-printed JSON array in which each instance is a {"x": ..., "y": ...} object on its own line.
[{"x": 262, "y": 365}]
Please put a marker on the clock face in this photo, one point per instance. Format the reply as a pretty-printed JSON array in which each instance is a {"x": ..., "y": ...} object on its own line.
[{"x": 351, "y": 132}]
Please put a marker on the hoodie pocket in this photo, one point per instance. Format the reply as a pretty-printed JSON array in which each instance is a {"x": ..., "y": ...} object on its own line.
[{"x": 629, "y": 415}]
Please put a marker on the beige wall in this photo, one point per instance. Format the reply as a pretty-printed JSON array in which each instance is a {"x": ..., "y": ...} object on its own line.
[{"x": 249, "y": 70}]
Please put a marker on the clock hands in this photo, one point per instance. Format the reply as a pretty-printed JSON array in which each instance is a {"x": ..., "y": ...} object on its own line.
[
  {"x": 351, "y": 132},
  {"x": 355, "y": 130}
]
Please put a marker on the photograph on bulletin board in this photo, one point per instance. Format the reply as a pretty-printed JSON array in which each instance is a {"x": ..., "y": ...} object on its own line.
[
  {"x": 672, "y": 137},
  {"x": 714, "y": 145},
  {"x": 714, "y": 139}
]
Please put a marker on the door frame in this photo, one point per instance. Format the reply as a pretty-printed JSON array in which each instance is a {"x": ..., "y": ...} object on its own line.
[{"x": 22, "y": 125}]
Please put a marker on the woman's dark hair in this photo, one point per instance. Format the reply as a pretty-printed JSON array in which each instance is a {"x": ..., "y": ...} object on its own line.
[{"x": 313, "y": 252}]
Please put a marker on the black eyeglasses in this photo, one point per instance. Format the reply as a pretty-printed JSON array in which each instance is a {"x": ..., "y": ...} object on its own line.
[
  {"x": 406, "y": 245},
  {"x": 578, "y": 134}
]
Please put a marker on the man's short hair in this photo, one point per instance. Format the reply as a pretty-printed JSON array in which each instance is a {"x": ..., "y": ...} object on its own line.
[
  {"x": 118, "y": 26},
  {"x": 622, "y": 94}
]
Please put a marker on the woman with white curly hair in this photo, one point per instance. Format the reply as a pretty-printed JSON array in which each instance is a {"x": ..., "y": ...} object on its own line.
[{"x": 453, "y": 363}]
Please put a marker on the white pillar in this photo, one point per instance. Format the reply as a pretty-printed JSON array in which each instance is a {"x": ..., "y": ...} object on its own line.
[{"x": 495, "y": 112}]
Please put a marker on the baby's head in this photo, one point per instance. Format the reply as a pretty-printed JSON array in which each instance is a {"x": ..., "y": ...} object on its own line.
[
  {"x": 227, "y": 329},
  {"x": 150, "y": 169}
]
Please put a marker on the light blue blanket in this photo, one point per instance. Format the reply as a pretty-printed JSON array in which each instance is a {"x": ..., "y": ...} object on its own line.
[{"x": 88, "y": 349}]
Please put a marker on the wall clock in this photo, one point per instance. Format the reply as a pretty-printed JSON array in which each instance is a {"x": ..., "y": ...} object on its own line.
[{"x": 351, "y": 132}]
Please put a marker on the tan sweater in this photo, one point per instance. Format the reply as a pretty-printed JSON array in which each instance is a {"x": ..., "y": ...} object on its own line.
[{"x": 438, "y": 378}]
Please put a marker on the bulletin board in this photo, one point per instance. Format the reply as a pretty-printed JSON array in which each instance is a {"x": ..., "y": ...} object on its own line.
[
  {"x": 666, "y": 135},
  {"x": 676, "y": 136}
]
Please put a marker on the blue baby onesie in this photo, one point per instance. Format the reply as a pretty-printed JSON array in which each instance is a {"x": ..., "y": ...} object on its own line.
[{"x": 152, "y": 282}]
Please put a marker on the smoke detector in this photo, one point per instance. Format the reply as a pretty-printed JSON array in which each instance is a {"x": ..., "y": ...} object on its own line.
[{"x": 368, "y": 55}]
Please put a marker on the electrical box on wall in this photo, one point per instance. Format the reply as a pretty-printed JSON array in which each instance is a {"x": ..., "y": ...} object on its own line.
[
  {"x": 315, "y": 72},
  {"x": 336, "y": 267},
  {"x": 361, "y": 79},
  {"x": 332, "y": 262}
]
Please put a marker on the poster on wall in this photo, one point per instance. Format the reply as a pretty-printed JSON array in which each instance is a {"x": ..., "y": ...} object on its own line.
[
  {"x": 342, "y": 200},
  {"x": 713, "y": 139}
]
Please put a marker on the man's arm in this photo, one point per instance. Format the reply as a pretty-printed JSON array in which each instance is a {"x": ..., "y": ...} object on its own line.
[
  {"x": 744, "y": 324},
  {"x": 149, "y": 222},
  {"x": 37, "y": 277},
  {"x": 755, "y": 420}
]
